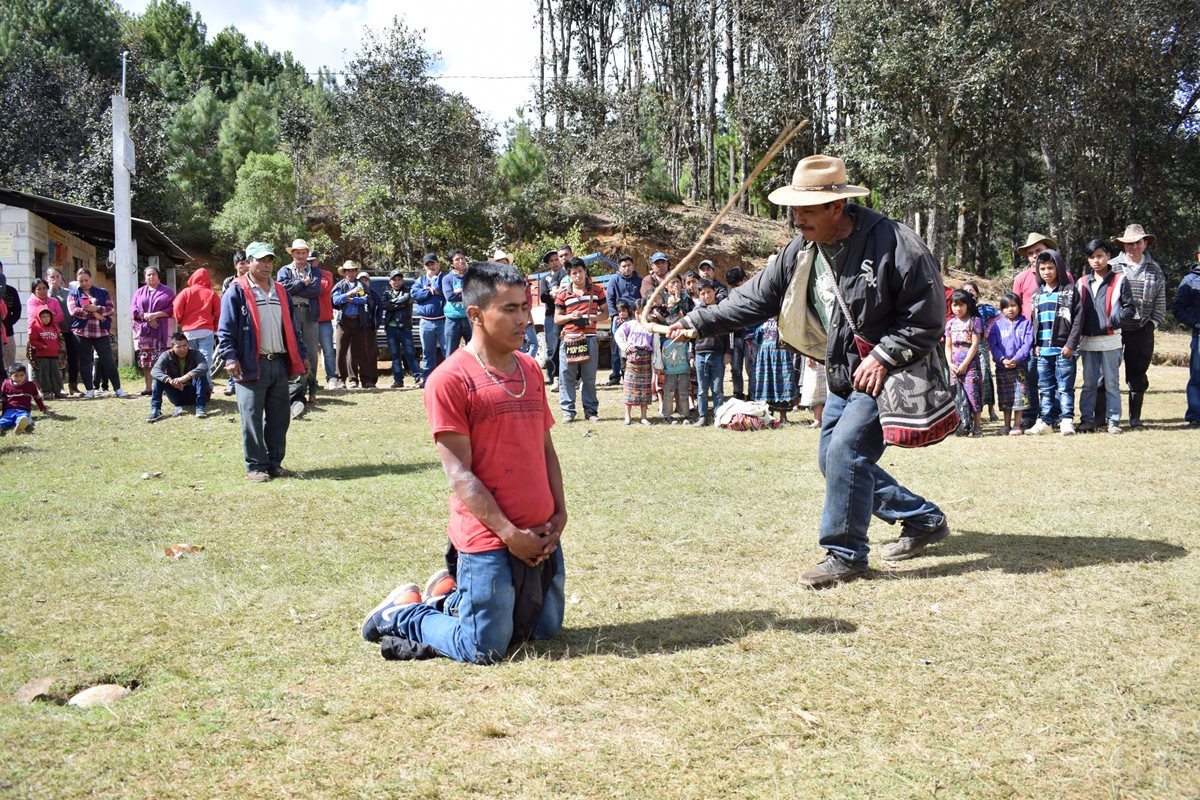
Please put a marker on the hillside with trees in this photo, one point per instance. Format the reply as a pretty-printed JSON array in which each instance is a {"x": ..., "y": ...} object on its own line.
[{"x": 972, "y": 121}]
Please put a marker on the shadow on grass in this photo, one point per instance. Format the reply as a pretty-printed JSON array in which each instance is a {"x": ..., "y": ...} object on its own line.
[
  {"x": 1022, "y": 553},
  {"x": 353, "y": 472},
  {"x": 673, "y": 634}
]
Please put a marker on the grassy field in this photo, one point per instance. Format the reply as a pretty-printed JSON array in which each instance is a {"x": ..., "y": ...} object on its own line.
[{"x": 1049, "y": 648}]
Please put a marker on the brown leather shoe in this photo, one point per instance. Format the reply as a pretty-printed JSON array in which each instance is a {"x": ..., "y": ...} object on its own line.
[
  {"x": 281, "y": 472},
  {"x": 831, "y": 571},
  {"x": 257, "y": 476}
]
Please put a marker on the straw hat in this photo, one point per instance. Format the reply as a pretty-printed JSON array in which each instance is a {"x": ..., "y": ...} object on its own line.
[
  {"x": 1033, "y": 238},
  {"x": 298, "y": 244},
  {"x": 349, "y": 266},
  {"x": 817, "y": 179},
  {"x": 1135, "y": 233}
]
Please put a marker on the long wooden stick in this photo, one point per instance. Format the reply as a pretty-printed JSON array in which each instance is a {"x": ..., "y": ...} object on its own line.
[{"x": 774, "y": 150}]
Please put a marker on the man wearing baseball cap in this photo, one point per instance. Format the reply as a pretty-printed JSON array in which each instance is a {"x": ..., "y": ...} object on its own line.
[
  {"x": 548, "y": 288},
  {"x": 261, "y": 352},
  {"x": 429, "y": 307},
  {"x": 892, "y": 287},
  {"x": 659, "y": 264},
  {"x": 397, "y": 305}
]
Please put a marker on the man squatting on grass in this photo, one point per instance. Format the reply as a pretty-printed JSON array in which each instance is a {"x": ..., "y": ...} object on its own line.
[
  {"x": 489, "y": 417},
  {"x": 893, "y": 288}
]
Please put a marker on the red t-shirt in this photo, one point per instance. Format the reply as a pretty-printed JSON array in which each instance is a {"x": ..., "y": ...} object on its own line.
[
  {"x": 589, "y": 302},
  {"x": 507, "y": 442}
]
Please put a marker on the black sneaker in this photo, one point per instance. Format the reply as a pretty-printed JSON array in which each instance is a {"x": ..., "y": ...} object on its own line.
[
  {"x": 913, "y": 540},
  {"x": 831, "y": 571}
]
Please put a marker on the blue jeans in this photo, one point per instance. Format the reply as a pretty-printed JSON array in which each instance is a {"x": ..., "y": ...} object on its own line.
[
  {"x": 328, "y": 354},
  {"x": 205, "y": 345},
  {"x": 400, "y": 342},
  {"x": 570, "y": 374},
  {"x": 195, "y": 393},
  {"x": 1056, "y": 386},
  {"x": 458, "y": 329},
  {"x": 710, "y": 377},
  {"x": 431, "y": 332},
  {"x": 8, "y": 420},
  {"x": 478, "y": 625},
  {"x": 530, "y": 348},
  {"x": 1097, "y": 364},
  {"x": 1193, "y": 385},
  {"x": 265, "y": 409},
  {"x": 855, "y": 485}
]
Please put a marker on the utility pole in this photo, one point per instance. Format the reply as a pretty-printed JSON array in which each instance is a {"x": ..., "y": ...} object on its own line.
[{"x": 125, "y": 249}]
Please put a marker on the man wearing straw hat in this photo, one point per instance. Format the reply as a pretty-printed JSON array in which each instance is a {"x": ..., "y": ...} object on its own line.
[
  {"x": 892, "y": 286},
  {"x": 301, "y": 279},
  {"x": 1149, "y": 287}
]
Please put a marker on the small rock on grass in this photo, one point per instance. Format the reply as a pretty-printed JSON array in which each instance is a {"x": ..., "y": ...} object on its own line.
[
  {"x": 100, "y": 695},
  {"x": 36, "y": 689}
]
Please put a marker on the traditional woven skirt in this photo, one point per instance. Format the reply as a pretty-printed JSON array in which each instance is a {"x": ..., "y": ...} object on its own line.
[
  {"x": 774, "y": 383},
  {"x": 985, "y": 376},
  {"x": 972, "y": 387},
  {"x": 147, "y": 357},
  {"x": 1011, "y": 388},
  {"x": 638, "y": 391}
]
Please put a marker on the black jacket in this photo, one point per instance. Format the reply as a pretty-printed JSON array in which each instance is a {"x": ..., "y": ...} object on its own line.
[
  {"x": 891, "y": 285},
  {"x": 398, "y": 306}
]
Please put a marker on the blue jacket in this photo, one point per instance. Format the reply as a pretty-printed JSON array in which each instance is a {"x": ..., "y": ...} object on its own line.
[
  {"x": 452, "y": 291},
  {"x": 346, "y": 297},
  {"x": 428, "y": 301},
  {"x": 1187, "y": 299},
  {"x": 298, "y": 291},
  {"x": 237, "y": 332},
  {"x": 100, "y": 297},
  {"x": 624, "y": 289}
]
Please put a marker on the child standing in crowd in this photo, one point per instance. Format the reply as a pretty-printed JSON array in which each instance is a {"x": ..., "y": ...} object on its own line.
[
  {"x": 987, "y": 315},
  {"x": 46, "y": 349},
  {"x": 17, "y": 396},
  {"x": 773, "y": 370},
  {"x": 639, "y": 350},
  {"x": 1107, "y": 305},
  {"x": 1010, "y": 341},
  {"x": 1059, "y": 314},
  {"x": 812, "y": 390},
  {"x": 712, "y": 354},
  {"x": 672, "y": 373},
  {"x": 964, "y": 332}
]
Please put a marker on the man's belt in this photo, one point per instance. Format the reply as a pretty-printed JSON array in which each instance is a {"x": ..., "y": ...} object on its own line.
[{"x": 272, "y": 356}]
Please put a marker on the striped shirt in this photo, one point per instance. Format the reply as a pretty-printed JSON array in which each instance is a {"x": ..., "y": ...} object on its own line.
[
  {"x": 270, "y": 320},
  {"x": 1047, "y": 309},
  {"x": 589, "y": 302}
]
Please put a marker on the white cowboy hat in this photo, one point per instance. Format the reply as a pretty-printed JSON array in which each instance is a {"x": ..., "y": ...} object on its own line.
[
  {"x": 499, "y": 254},
  {"x": 1134, "y": 233},
  {"x": 298, "y": 244},
  {"x": 817, "y": 179}
]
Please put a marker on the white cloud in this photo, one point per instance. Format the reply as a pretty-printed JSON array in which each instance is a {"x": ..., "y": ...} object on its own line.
[{"x": 497, "y": 38}]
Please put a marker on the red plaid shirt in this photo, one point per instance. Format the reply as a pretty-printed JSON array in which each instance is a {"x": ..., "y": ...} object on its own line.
[{"x": 92, "y": 328}]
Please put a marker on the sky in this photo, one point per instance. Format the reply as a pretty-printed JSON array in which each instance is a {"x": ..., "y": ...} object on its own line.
[{"x": 496, "y": 38}]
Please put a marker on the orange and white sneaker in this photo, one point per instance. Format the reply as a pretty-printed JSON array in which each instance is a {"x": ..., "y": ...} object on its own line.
[
  {"x": 381, "y": 620},
  {"x": 438, "y": 586}
]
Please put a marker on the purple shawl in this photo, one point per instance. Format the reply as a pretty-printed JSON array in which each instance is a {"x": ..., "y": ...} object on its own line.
[{"x": 146, "y": 301}]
